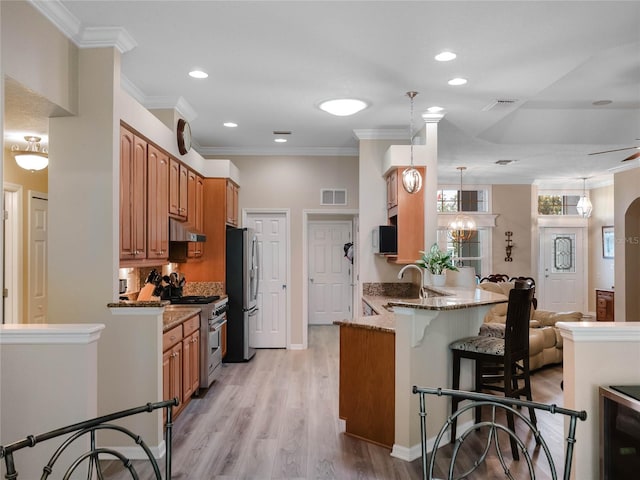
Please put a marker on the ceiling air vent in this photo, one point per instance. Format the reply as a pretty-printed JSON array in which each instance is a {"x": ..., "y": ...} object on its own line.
[
  {"x": 500, "y": 103},
  {"x": 333, "y": 196},
  {"x": 504, "y": 162}
]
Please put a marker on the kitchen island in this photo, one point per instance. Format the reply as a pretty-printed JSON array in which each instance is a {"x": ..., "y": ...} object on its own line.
[{"x": 413, "y": 335}]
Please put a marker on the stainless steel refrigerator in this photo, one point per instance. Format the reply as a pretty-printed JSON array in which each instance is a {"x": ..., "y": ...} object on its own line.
[{"x": 242, "y": 281}]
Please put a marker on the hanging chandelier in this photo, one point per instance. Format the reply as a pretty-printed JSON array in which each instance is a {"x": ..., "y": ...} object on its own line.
[
  {"x": 462, "y": 227},
  {"x": 411, "y": 178},
  {"x": 32, "y": 157},
  {"x": 584, "y": 206}
]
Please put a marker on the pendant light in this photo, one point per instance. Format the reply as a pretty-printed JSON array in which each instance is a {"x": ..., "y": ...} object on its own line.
[
  {"x": 584, "y": 206},
  {"x": 32, "y": 157},
  {"x": 411, "y": 178},
  {"x": 462, "y": 227}
]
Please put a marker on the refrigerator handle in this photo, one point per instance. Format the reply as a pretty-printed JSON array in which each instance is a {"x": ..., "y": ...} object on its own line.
[{"x": 256, "y": 259}]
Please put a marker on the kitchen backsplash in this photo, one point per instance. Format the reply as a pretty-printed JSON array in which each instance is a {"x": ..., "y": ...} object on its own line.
[
  {"x": 136, "y": 277},
  {"x": 402, "y": 290},
  {"x": 203, "y": 288}
]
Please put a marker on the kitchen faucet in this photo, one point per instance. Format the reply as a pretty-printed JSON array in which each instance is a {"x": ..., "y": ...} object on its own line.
[{"x": 411, "y": 265}]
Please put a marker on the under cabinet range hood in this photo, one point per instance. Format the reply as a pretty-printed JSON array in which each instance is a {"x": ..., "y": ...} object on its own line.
[{"x": 184, "y": 232}]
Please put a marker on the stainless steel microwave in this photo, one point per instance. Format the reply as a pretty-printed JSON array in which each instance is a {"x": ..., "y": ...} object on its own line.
[{"x": 385, "y": 239}]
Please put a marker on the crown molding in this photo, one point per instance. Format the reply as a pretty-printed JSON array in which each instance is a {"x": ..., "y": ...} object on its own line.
[
  {"x": 62, "y": 18},
  {"x": 380, "y": 134},
  {"x": 132, "y": 89},
  {"x": 97, "y": 37},
  {"x": 281, "y": 151},
  {"x": 90, "y": 37},
  {"x": 179, "y": 104}
]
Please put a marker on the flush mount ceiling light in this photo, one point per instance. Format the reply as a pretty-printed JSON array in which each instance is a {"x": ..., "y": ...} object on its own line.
[
  {"x": 462, "y": 227},
  {"x": 343, "y": 107},
  {"x": 584, "y": 206},
  {"x": 280, "y": 140},
  {"x": 230, "y": 124},
  {"x": 445, "y": 56},
  {"x": 198, "y": 74},
  {"x": 457, "y": 81},
  {"x": 411, "y": 178},
  {"x": 32, "y": 157}
]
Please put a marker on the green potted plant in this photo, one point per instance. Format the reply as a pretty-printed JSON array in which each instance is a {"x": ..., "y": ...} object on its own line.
[{"x": 436, "y": 262}]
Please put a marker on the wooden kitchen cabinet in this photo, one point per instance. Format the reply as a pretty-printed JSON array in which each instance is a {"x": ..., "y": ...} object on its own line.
[
  {"x": 178, "y": 188},
  {"x": 604, "y": 306},
  {"x": 195, "y": 214},
  {"x": 367, "y": 384},
  {"x": 191, "y": 357},
  {"x": 158, "y": 204},
  {"x": 392, "y": 193},
  {"x": 133, "y": 196},
  {"x": 406, "y": 213},
  {"x": 232, "y": 203},
  {"x": 172, "y": 375}
]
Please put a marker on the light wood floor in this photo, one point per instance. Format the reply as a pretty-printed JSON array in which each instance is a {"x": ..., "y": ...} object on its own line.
[{"x": 276, "y": 417}]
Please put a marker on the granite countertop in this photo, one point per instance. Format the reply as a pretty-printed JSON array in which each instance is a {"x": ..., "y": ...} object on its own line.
[
  {"x": 138, "y": 304},
  {"x": 441, "y": 298},
  {"x": 173, "y": 317}
]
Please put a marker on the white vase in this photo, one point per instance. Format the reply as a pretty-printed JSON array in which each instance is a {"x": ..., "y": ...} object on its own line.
[{"x": 438, "y": 280}]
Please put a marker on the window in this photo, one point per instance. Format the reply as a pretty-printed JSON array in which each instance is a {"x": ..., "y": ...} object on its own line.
[
  {"x": 475, "y": 251},
  {"x": 469, "y": 253},
  {"x": 558, "y": 204},
  {"x": 471, "y": 200}
]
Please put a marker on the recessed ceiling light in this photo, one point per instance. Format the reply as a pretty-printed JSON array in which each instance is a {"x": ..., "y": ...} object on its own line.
[
  {"x": 280, "y": 140},
  {"x": 445, "y": 56},
  {"x": 434, "y": 109},
  {"x": 230, "y": 124},
  {"x": 602, "y": 102},
  {"x": 457, "y": 81},
  {"x": 343, "y": 107},
  {"x": 198, "y": 74}
]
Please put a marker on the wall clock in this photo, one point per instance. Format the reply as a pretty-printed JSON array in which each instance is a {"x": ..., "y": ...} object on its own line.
[{"x": 184, "y": 136}]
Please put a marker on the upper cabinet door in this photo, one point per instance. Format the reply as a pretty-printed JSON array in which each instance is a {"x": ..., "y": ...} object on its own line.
[
  {"x": 133, "y": 196},
  {"x": 178, "y": 180},
  {"x": 157, "y": 211}
]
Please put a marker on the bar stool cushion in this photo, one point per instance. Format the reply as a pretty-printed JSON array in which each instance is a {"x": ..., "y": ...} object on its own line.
[{"x": 480, "y": 344}]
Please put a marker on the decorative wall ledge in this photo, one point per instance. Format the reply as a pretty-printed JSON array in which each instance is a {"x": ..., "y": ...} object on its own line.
[{"x": 50, "y": 333}]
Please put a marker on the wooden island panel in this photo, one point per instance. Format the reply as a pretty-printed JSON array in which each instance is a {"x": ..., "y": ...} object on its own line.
[{"x": 367, "y": 384}]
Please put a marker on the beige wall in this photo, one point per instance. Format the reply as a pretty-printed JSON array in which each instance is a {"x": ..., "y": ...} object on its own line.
[
  {"x": 513, "y": 204},
  {"x": 294, "y": 183},
  {"x": 601, "y": 270},
  {"x": 38, "y": 55},
  {"x": 36, "y": 181}
]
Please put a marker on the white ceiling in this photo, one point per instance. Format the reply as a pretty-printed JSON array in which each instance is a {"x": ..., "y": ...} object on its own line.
[{"x": 271, "y": 62}]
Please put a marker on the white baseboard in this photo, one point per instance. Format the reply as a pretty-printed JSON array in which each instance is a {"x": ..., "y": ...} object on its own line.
[
  {"x": 297, "y": 346},
  {"x": 415, "y": 451},
  {"x": 137, "y": 453}
]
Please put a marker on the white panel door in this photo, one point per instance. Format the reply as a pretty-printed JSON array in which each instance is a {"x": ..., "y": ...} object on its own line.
[
  {"x": 38, "y": 225},
  {"x": 563, "y": 270},
  {"x": 330, "y": 285},
  {"x": 268, "y": 329}
]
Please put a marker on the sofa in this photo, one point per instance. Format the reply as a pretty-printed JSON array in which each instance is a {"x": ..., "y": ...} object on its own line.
[{"x": 545, "y": 342}]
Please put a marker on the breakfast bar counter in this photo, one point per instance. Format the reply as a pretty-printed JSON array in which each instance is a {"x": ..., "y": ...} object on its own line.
[{"x": 405, "y": 343}]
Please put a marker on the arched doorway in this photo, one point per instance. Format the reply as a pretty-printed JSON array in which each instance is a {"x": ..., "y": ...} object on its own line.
[{"x": 631, "y": 245}]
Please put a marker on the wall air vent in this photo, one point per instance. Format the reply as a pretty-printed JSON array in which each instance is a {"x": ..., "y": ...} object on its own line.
[
  {"x": 333, "y": 196},
  {"x": 500, "y": 103}
]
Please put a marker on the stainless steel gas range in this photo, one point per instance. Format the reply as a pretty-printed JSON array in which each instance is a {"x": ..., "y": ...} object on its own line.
[{"x": 212, "y": 317}]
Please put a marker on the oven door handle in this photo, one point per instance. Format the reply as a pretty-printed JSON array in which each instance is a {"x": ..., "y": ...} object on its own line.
[{"x": 218, "y": 325}]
